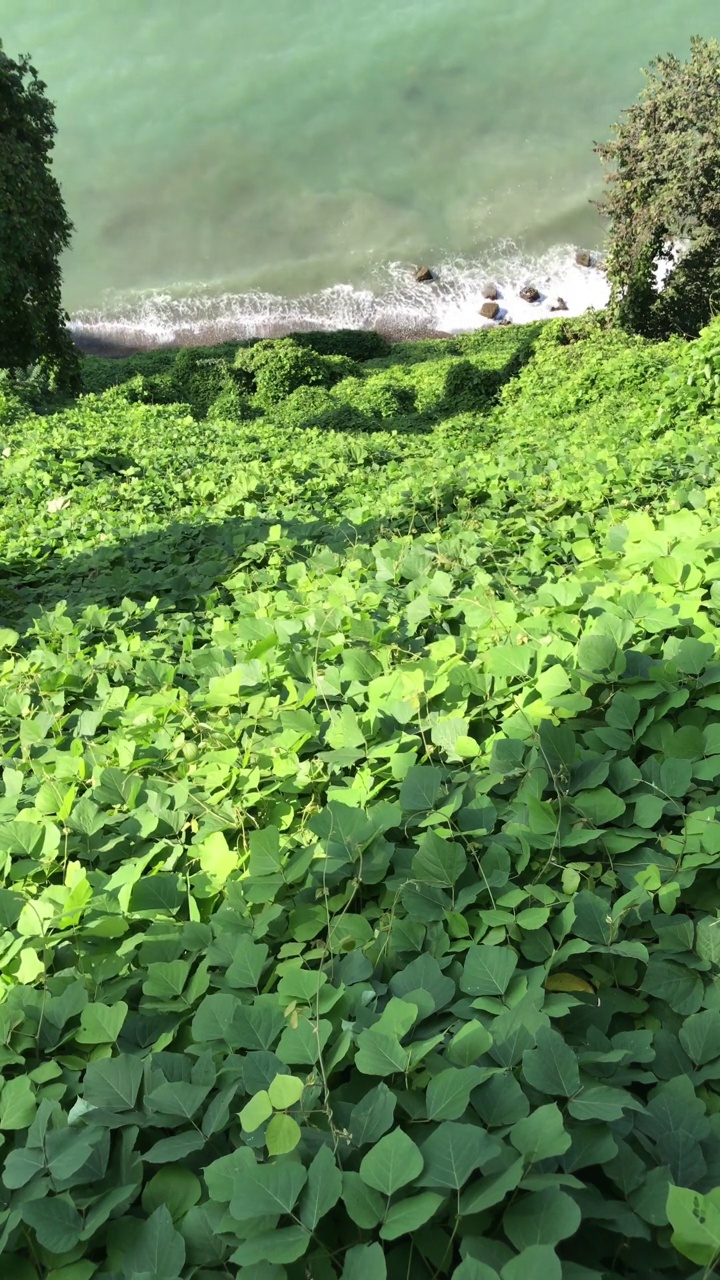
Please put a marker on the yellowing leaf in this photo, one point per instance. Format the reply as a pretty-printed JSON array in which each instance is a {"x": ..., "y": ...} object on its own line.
[
  {"x": 285, "y": 1091},
  {"x": 568, "y": 982},
  {"x": 256, "y": 1112},
  {"x": 31, "y": 966},
  {"x": 282, "y": 1135}
]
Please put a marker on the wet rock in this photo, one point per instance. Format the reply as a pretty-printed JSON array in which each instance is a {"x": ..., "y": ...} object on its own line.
[
  {"x": 490, "y": 310},
  {"x": 530, "y": 293},
  {"x": 424, "y": 275},
  {"x": 505, "y": 320},
  {"x": 559, "y": 305},
  {"x": 491, "y": 291},
  {"x": 583, "y": 258}
]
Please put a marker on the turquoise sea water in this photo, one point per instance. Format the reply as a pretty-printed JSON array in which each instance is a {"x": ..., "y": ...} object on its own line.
[{"x": 247, "y": 162}]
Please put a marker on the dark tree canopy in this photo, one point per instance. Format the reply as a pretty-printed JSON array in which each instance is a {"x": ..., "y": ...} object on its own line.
[
  {"x": 663, "y": 197},
  {"x": 34, "y": 228}
]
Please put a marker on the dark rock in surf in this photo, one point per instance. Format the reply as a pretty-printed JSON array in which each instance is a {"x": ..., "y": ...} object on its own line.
[
  {"x": 530, "y": 293},
  {"x": 490, "y": 310},
  {"x": 424, "y": 275},
  {"x": 583, "y": 258},
  {"x": 559, "y": 305},
  {"x": 491, "y": 291}
]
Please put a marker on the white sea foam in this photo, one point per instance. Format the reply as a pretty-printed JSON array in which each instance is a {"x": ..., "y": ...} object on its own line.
[{"x": 393, "y": 302}]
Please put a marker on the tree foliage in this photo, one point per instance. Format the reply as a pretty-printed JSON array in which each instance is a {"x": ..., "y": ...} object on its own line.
[
  {"x": 34, "y": 228},
  {"x": 663, "y": 197}
]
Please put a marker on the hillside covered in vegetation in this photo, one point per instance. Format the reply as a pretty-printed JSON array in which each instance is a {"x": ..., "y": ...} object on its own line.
[{"x": 359, "y": 841}]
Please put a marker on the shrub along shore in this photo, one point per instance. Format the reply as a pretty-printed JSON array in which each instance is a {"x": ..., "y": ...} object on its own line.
[{"x": 359, "y": 840}]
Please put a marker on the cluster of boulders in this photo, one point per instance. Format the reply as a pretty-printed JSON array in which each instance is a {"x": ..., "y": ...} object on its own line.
[{"x": 491, "y": 309}]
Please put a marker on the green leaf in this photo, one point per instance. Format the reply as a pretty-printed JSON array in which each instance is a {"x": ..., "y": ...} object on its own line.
[
  {"x": 438, "y": 862},
  {"x": 592, "y": 917},
  {"x": 700, "y": 1037},
  {"x": 542, "y": 1217},
  {"x": 598, "y": 806},
  {"x": 509, "y": 660},
  {"x": 420, "y": 789},
  {"x": 600, "y": 1102},
  {"x": 453, "y": 1152},
  {"x": 471, "y": 1042},
  {"x": 17, "y": 1104},
  {"x": 175, "y": 1148},
  {"x": 423, "y": 975},
  {"x": 649, "y": 810},
  {"x": 488, "y": 970},
  {"x": 539, "y": 1262},
  {"x": 247, "y": 965},
  {"x": 260, "y": 1190},
  {"x": 177, "y": 1099},
  {"x": 596, "y": 653},
  {"x": 372, "y": 1116},
  {"x": 551, "y": 1067},
  {"x": 365, "y": 1206},
  {"x": 284, "y": 1244},
  {"x": 282, "y": 1135},
  {"x": 675, "y": 777},
  {"x": 397, "y": 1018},
  {"x": 66, "y": 1151},
  {"x": 406, "y": 1216},
  {"x": 707, "y": 940},
  {"x": 448, "y": 1094},
  {"x": 74, "y": 1271},
  {"x": 322, "y": 1190},
  {"x": 364, "y": 1262},
  {"x": 160, "y": 894},
  {"x": 380, "y": 1055},
  {"x": 471, "y": 1269},
  {"x": 112, "y": 1084},
  {"x": 21, "y": 1165},
  {"x": 492, "y": 1189},
  {"x": 677, "y": 986},
  {"x": 692, "y": 656},
  {"x": 393, "y": 1162},
  {"x": 623, "y": 711},
  {"x": 101, "y": 1023},
  {"x": 55, "y": 1221},
  {"x": 156, "y": 1248},
  {"x": 176, "y": 1188},
  {"x": 501, "y": 1101},
  {"x": 541, "y": 1134},
  {"x": 265, "y": 856}
]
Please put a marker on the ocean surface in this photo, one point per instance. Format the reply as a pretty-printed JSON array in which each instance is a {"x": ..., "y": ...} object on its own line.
[{"x": 248, "y": 166}]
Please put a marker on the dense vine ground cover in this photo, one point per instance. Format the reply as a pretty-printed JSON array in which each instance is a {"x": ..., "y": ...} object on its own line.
[{"x": 358, "y": 825}]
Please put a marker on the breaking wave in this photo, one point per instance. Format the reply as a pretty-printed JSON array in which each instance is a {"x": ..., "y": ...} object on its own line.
[{"x": 392, "y": 302}]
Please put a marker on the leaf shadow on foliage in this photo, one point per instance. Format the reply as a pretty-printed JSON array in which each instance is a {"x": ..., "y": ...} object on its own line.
[{"x": 182, "y": 565}]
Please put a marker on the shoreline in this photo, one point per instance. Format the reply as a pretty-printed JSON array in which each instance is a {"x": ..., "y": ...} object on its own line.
[
  {"x": 397, "y": 305},
  {"x": 118, "y": 349}
]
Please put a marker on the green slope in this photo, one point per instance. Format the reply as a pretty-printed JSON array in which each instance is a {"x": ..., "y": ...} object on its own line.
[{"x": 358, "y": 820}]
